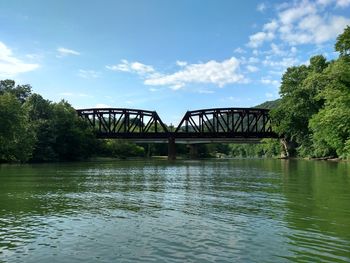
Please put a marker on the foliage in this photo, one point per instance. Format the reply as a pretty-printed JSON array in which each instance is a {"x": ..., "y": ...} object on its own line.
[
  {"x": 73, "y": 137},
  {"x": 123, "y": 149},
  {"x": 272, "y": 104},
  {"x": 36, "y": 129},
  {"x": 299, "y": 88},
  {"x": 331, "y": 125},
  {"x": 16, "y": 138},
  {"x": 343, "y": 43},
  {"x": 21, "y": 92},
  {"x": 314, "y": 110},
  {"x": 267, "y": 148}
]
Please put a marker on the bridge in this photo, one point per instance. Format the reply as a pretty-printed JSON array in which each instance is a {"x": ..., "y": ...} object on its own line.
[{"x": 199, "y": 126}]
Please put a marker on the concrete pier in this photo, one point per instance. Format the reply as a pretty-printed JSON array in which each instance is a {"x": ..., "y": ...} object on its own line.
[
  {"x": 171, "y": 149},
  {"x": 193, "y": 151}
]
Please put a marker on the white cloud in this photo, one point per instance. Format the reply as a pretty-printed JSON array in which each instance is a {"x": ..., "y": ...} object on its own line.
[
  {"x": 324, "y": 2},
  {"x": 251, "y": 68},
  {"x": 239, "y": 50},
  {"x": 303, "y": 22},
  {"x": 343, "y": 3},
  {"x": 296, "y": 12},
  {"x": 141, "y": 68},
  {"x": 276, "y": 50},
  {"x": 135, "y": 67},
  {"x": 338, "y": 3},
  {"x": 173, "y": 87},
  {"x": 10, "y": 66},
  {"x": 88, "y": 74},
  {"x": 293, "y": 50},
  {"x": 270, "y": 82},
  {"x": 213, "y": 72},
  {"x": 271, "y": 26},
  {"x": 257, "y": 39},
  {"x": 34, "y": 56},
  {"x": 280, "y": 63},
  {"x": 253, "y": 60},
  {"x": 314, "y": 29},
  {"x": 65, "y": 52},
  {"x": 267, "y": 34},
  {"x": 306, "y": 23},
  {"x": 181, "y": 63},
  {"x": 261, "y": 7}
]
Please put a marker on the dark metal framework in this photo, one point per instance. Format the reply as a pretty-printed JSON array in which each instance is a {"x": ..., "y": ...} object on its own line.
[
  {"x": 225, "y": 123},
  {"x": 124, "y": 123}
]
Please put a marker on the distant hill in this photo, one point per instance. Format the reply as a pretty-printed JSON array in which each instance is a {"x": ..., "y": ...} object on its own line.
[{"x": 269, "y": 104}]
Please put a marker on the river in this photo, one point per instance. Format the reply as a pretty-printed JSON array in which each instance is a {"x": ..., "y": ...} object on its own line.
[{"x": 184, "y": 211}]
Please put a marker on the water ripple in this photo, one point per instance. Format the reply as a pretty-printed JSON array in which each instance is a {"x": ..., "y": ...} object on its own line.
[{"x": 187, "y": 211}]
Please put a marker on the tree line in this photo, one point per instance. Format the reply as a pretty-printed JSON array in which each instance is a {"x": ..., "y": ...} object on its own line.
[
  {"x": 312, "y": 117},
  {"x": 34, "y": 129}
]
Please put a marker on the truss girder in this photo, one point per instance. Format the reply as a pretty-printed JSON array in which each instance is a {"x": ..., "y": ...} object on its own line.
[{"x": 206, "y": 123}]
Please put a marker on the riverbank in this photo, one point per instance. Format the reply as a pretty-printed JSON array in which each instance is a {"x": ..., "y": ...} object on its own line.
[{"x": 182, "y": 157}]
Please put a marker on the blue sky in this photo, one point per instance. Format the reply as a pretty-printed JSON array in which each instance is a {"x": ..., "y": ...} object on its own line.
[{"x": 168, "y": 56}]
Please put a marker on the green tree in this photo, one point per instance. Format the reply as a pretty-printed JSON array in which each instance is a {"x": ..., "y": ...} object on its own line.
[
  {"x": 73, "y": 137},
  {"x": 331, "y": 125},
  {"x": 123, "y": 149},
  {"x": 16, "y": 136},
  {"x": 60, "y": 133},
  {"x": 21, "y": 92},
  {"x": 299, "y": 89},
  {"x": 343, "y": 42},
  {"x": 40, "y": 115}
]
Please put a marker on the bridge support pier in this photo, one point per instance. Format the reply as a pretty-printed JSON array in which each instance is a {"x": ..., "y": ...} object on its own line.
[
  {"x": 193, "y": 151},
  {"x": 171, "y": 149}
]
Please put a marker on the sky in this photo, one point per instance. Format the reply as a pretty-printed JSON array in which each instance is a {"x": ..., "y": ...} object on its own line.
[{"x": 168, "y": 56}]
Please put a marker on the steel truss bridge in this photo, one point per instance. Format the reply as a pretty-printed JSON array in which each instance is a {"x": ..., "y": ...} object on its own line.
[{"x": 199, "y": 126}]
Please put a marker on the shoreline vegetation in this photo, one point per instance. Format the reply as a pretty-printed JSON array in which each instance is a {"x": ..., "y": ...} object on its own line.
[{"x": 312, "y": 117}]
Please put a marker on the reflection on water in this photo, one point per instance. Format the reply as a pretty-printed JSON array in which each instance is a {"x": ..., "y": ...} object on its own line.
[{"x": 194, "y": 211}]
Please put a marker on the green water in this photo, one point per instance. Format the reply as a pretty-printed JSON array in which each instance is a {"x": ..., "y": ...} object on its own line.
[{"x": 186, "y": 211}]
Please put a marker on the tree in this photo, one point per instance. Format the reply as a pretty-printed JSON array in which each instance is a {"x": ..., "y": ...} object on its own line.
[
  {"x": 343, "y": 42},
  {"x": 318, "y": 63},
  {"x": 60, "y": 133},
  {"x": 314, "y": 111},
  {"x": 299, "y": 101},
  {"x": 16, "y": 137},
  {"x": 331, "y": 125},
  {"x": 40, "y": 116},
  {"x": 123, "y": 149},
  {"x": 21, "y": 92},
  {"x": 73, "y": 137}
]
